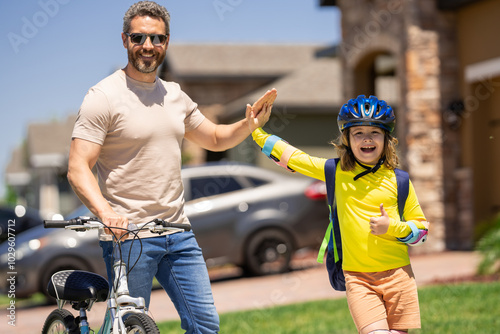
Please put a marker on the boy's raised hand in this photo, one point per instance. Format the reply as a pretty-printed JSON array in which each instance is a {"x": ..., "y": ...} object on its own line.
[
  {"x": 265, "y": 100},
  {"x": 380, "y": 225}
]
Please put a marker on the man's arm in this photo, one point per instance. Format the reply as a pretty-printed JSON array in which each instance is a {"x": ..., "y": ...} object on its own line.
[
  {"x": 220, "y": 137},
  {"x": 83, "y": 155}
]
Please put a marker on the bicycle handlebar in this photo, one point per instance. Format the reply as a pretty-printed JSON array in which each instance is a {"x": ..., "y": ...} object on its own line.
[
  {"x": 62, "y": 223},
  {"x": 87, "y": 223}
]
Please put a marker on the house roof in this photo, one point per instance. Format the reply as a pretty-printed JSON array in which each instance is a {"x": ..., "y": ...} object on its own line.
[
  {"x": 237, "y": 60},
  {"x": 316, "y": 85},
  {"x": 48, "y": 143}
]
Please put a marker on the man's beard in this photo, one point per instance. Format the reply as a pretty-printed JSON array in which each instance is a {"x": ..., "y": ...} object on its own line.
[{"x": 145, "y": 66}]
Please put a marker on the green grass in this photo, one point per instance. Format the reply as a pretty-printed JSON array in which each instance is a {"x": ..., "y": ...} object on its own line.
[
  {"x": 455, "y": 308},
  {"x": 461, "y": 308},
  {"x": 37, "y": 299}
]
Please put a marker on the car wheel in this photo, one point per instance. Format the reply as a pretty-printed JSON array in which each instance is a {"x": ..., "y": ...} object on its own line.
[
  {"x": 268, "y": 252},
  {"x": 58, "y": 265}
]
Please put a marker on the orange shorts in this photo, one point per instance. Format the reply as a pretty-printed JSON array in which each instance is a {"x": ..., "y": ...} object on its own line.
[{"x": 390, "y": 295}]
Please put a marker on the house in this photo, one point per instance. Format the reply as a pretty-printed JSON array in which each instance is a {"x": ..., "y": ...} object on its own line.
[
  {"x": 37, "y": 169},
  {"x": 446, "y": 65}
]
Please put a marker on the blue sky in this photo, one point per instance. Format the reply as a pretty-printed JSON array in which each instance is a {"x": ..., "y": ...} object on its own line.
[{"x": 54, "y": 50}]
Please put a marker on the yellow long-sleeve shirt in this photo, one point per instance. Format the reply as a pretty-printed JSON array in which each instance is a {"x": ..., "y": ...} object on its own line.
[{"x": 358, "y": 201}]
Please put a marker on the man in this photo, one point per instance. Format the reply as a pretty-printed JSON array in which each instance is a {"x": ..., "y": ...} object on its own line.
[{"x": 131, "y": 126}]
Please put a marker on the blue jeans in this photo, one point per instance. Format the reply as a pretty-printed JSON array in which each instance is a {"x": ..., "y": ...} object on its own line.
[{"x": 177, "y": 263}]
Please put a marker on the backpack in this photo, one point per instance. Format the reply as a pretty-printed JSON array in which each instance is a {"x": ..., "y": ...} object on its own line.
[{"x": 332, "y": 242}]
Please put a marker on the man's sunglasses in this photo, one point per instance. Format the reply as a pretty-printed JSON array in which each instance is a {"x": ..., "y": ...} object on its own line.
[{"x": 139, "y": 39}]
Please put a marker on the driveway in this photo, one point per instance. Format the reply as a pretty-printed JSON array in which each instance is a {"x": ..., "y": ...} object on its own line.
[{"x": 232, "y": 292}]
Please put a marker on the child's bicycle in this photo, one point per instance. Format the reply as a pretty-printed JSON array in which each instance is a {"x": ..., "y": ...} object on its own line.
[{"x": 124, "y": 314}]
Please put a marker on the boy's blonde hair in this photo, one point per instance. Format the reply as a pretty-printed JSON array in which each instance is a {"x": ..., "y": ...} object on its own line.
[{"x": 347, "y": 159}]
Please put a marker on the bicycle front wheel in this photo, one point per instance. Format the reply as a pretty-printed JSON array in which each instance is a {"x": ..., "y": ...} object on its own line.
[
  {"x": 60, "y": 322},
  {"x": 140, "y": 323}
]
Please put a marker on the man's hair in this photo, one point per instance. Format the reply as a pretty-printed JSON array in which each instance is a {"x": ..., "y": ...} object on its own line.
[
  {"x": 146, "y": 8},
  {"x": 347, "y": 159}
]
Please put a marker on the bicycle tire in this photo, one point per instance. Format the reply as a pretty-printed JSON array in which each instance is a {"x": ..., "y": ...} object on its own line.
[
  {"x": 60, "y": 322},
  {"x": 140, "y": 323}
]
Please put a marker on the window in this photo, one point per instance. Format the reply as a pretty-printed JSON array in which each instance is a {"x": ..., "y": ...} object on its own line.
[
  {"x": 257, "y": 182},
  {"x": 214, "y": 185}
]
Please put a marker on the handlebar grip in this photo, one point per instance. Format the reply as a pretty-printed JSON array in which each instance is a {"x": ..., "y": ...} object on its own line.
[
  {"x": 185, "y": 227},
  {"x": 63, "y": 223},
  {"x": 57, "y": 223}
]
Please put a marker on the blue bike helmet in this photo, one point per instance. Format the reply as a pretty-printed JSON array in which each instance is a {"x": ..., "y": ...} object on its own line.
[{"x": 368, "y": 112}]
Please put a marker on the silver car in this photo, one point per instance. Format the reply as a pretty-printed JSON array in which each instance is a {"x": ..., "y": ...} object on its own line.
[{"x": 241, "y": 214}]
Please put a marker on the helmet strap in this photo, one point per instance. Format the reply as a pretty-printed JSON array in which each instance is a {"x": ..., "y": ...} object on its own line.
[{"x": 369, "y": 169}]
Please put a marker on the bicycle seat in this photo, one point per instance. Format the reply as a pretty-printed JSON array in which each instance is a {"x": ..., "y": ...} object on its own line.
[{"x": 77, "y": 286}]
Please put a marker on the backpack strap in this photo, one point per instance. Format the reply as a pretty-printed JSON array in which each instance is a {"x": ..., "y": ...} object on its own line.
[
  {"x": 333, "y": 227},
  {"x": 403, "y": 184},
  {"x": 330, "y": 171}
]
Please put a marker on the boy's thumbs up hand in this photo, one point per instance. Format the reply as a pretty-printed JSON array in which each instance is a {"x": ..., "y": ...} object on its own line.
[
  {"x": 380, "y": 225},
  {"x": 383, "y": 213}
]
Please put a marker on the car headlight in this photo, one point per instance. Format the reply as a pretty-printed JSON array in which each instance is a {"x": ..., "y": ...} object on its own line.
[
  {"x": 28, "y": 248},
  {"x": 24, "y": 249}
]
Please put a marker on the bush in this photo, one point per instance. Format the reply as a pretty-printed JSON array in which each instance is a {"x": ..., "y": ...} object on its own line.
[{"x": 489, "y": 246}]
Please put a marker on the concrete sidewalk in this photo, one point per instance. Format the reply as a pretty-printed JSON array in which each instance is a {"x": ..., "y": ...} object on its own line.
[{"x": 308, "y": 282}]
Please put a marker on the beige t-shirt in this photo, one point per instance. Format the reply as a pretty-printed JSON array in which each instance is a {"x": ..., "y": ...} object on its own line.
[{"x": 140, "y": 127}]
